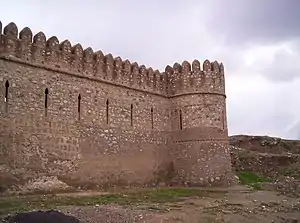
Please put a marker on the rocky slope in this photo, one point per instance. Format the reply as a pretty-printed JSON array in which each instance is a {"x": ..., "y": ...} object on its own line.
[
  {"x": 266, "y": 155},
  {"x": 266, "y": 144},
  {"x": 274, "y": 158}
]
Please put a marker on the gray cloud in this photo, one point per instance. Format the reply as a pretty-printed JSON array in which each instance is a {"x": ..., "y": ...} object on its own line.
[
  {"x": 285, "y": 66},
  {"x": 266, "y": 21},
  {"x": 247, "y": 24}
]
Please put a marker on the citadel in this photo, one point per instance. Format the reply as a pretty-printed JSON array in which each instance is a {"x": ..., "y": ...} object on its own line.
[{"x": 94, "y": 120}]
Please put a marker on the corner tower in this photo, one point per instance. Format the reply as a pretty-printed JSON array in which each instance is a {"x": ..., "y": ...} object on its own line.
[{"x": 199, "y": 143}]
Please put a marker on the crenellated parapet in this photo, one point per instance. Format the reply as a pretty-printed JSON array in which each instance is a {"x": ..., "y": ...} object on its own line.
[
  {"x": 37, "y": 50},
  {"x": 190, "y": 78}
]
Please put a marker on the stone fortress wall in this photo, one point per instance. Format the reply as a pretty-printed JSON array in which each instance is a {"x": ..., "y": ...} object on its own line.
[{"x": 93, "y": 120}]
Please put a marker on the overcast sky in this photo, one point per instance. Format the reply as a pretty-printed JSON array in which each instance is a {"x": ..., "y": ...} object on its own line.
[{"x": 257, "y": 40}]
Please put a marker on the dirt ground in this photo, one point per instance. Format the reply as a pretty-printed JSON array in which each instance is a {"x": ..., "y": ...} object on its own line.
[{"x": 235, "y": 205}]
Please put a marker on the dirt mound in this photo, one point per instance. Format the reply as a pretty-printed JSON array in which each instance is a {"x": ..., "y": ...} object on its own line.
[
  {"x": 268, "y": 164},
  {"x": 265, "y": 144},
  {"x": 274, "y": 158},
  {"x": 41, "y": 216}
]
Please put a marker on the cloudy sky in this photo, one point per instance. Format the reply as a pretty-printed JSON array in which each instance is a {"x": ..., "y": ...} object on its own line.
[{"x": 257, "y": 40}]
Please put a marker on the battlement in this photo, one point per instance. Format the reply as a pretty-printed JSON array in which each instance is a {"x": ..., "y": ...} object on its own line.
[
  {"x": 187, "y": 78},
  {"x": 37, "y": 50},
  {"x": 49, "y": 53}
]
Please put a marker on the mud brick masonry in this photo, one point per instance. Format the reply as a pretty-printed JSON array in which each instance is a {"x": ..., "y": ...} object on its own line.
[{"x": 94, "y": 120}]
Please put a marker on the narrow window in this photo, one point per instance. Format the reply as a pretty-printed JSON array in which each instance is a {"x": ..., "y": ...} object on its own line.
[
  {"x": 180, "y": 119},
  {"x": 131, "y": 114},
  {"x": 6, "y": 91},
  {"x": 6, "y": 95},
  {"x": 46, "y": 101},
  {"x": 223, "y": 119},
  {"x": 107, "y": 103},
  {"x": 79, "y": 99},
  {"x": 152, "y": 117}
]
